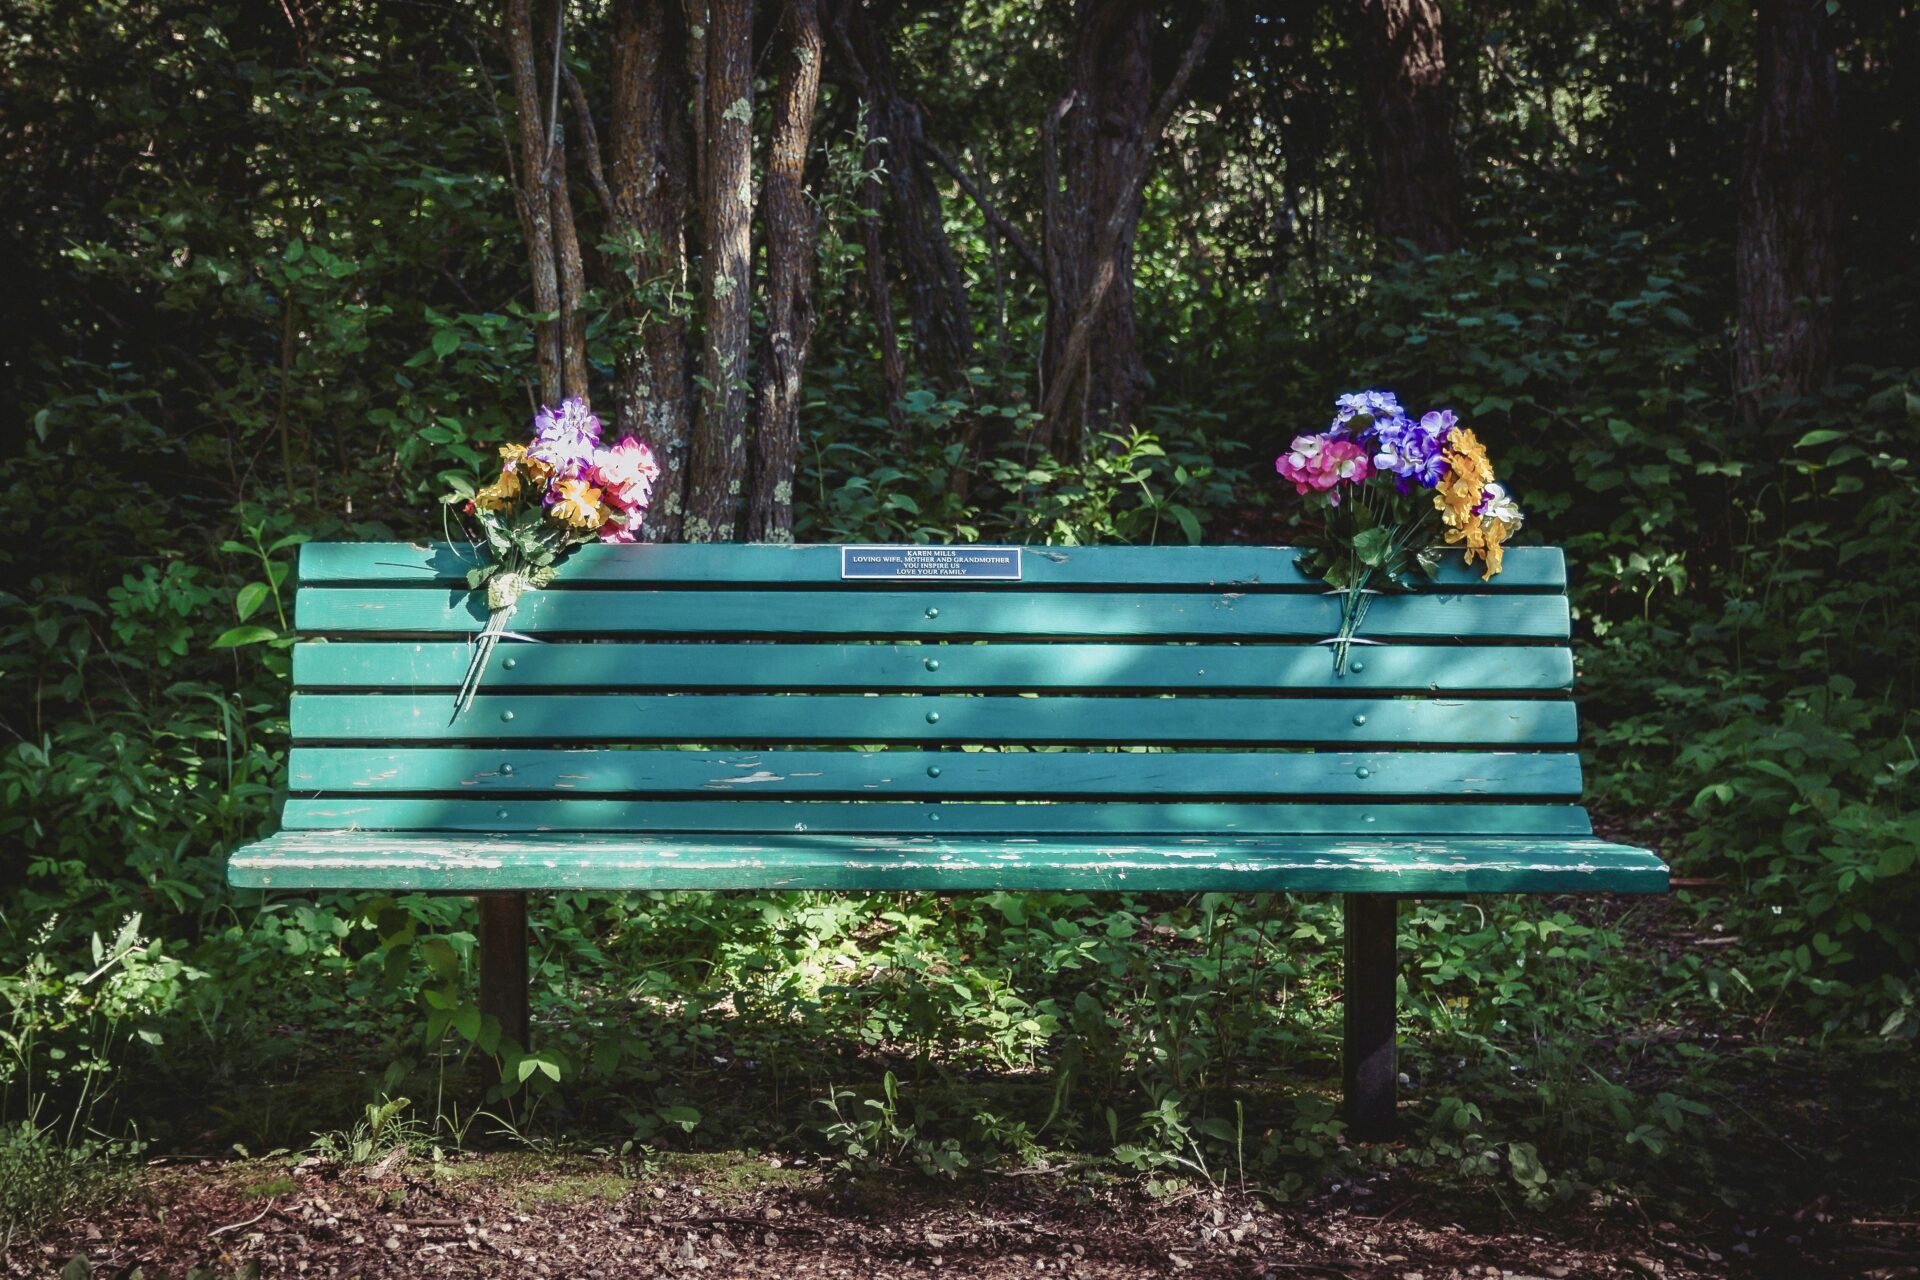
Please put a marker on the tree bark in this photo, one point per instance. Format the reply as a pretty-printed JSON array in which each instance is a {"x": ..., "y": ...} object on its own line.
[
  {"x": 648, "y": 199},
  {"x": 790, "y": 233},
  {"x": 573, "y": 276},
  {"x": 532, "y": 199},
  {"x": 1094, "y": 176},
  {"x": 936, "y": 292},
  {"x": 1096, "y": 145},
  {"x": 1409, "y": 114},
  {"x": 717, "y": 461},
  {"x": 1787, "y": 260}
]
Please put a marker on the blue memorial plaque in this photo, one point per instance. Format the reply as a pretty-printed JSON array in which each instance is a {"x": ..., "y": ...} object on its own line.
[{"x": 981, "y": 563}]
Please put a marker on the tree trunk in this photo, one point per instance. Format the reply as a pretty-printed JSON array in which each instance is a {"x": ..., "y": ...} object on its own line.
[
  {"x": 1787, "y": 253},
  {"x": 573, "y": 276},
  {"x": 546, "y": 206},
  {"x": 531, "y": 196},
  {"x": 790, "y": 230},
  {"x": 1096, "y": 143},
  {"x": 1409, "y": 112},
  {"x": 650, "y": 159},
  {"x": 936, "y": 292},
  {"x": 1097, "y": 151},
  {"x": 717, "y": 461}
]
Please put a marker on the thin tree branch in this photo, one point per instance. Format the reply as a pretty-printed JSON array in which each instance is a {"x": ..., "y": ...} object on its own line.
[
  {"x": 553, "y": 101},
  {"x": 589, "y": 139},
  {"x": 1007, "y": 230}
]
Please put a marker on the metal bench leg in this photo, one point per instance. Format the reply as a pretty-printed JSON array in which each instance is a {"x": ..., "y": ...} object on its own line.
[
  {"x": 1371, "y": 1069},
  {"x": 503, "y": 962}
]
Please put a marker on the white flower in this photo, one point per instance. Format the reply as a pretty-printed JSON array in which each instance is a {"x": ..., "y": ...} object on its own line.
[{"x": 1498, "y": 505}]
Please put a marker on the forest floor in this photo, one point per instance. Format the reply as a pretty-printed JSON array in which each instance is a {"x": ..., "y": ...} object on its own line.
[
  {"x": 524, "y": 1215},
  {"x": 1825, "y": 1157}
]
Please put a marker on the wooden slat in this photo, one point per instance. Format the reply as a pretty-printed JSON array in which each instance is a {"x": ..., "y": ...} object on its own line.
[
  {"x": 918, "y": 614},
  {"x": 1244, "y": 864},
  {"x": 1127, "y": 775},
  {"x": 1527, "y": 568},
  {"x": 854, "y": 718},
  {"x": 667, "y": 665},
  {"x": 578, "y": 813}
]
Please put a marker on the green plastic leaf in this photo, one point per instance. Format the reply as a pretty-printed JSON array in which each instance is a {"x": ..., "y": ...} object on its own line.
[{"x": 1372, "y": 545}]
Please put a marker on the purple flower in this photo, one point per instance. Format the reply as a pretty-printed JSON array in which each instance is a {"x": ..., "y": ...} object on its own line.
[
  {"x": 564, "y": 437},
  {"x": 1379, "y": 407},
  {"x": 1414, "y": 451}
]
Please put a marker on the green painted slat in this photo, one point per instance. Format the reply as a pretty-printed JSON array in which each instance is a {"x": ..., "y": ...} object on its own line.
[
  {"x": 667, "y": 665},
  {"x": 763, "y": 817},
  {"x": 826, "y": 717},
  {"x": 920, "y": 614},
  {"x": 1527, "y": 568},
  {"x": 516, "y": 770},
  {"x": 1327, "y": 864}
]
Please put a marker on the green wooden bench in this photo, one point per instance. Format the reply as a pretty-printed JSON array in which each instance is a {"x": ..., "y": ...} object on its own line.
[{"x": 1117, "y": 718}]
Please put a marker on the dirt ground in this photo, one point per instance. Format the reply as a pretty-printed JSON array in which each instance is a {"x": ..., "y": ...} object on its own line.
[{"x": 741, "y": 1215}]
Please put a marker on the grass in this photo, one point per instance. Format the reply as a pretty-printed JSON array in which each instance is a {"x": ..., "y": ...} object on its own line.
[
  {"x": 577, "y": 1188},
  {"x": 42, "y": 1181}
]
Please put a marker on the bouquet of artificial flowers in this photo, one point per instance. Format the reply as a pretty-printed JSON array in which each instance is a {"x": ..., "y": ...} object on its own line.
[
  {"x": 1390, "y": 484},
  {"x": 561, "y": 490}
]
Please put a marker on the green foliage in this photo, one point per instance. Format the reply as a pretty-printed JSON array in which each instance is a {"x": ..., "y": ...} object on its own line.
[{"x": 43, "y": 1180}]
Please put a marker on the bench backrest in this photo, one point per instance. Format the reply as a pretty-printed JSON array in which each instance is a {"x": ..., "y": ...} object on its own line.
[{"x": 754, "y": 688}]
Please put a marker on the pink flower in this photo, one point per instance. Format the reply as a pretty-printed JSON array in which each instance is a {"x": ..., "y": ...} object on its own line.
[
  {"x": 625, "y": 474},
  {"x": 623, "y": 526},
  {"x": 1318, "y": 463}
]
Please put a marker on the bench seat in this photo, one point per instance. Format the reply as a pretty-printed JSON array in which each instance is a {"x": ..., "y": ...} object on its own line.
[
  {"x": 464, "y": 862},
  {"x": 873, "y": 719}
]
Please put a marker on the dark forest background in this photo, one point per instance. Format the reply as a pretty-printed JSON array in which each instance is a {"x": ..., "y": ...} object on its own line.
[{"x": 1057, "y": 272}]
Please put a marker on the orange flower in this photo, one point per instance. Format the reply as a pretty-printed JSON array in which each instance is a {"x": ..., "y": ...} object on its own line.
[
  {"x": 515, "y": 458},
  {"x": 1465, "y": 485},
  {"x": 1485, "y": 538},
  {"x": 578, "y": 505},
  {"x": 499, "y": 495}
]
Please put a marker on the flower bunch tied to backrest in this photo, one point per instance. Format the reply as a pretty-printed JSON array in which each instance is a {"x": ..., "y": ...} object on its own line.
[
  {"x": 563, "y": 488},
  {"x": 1391, "y": 489}
]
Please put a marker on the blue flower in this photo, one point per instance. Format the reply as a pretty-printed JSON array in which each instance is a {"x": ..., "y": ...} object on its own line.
[
  {"x": 1414, "y": 451},
  {"x": 1378, "y": 407}
]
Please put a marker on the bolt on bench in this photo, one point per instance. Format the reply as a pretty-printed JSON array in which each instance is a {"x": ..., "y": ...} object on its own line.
[{"x": 1143, "y": 718}]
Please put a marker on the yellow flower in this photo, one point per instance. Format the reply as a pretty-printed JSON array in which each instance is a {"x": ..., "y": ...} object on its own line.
[
  {"x": 1468, "y": 475},
  {"x": 512, "y": 455},
  {"x": 496, "y": 497},
  {"x": 1498, "y": 531},
  {"x": 1484, "y": 537},
  {"x": 578, "y": 506}
]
